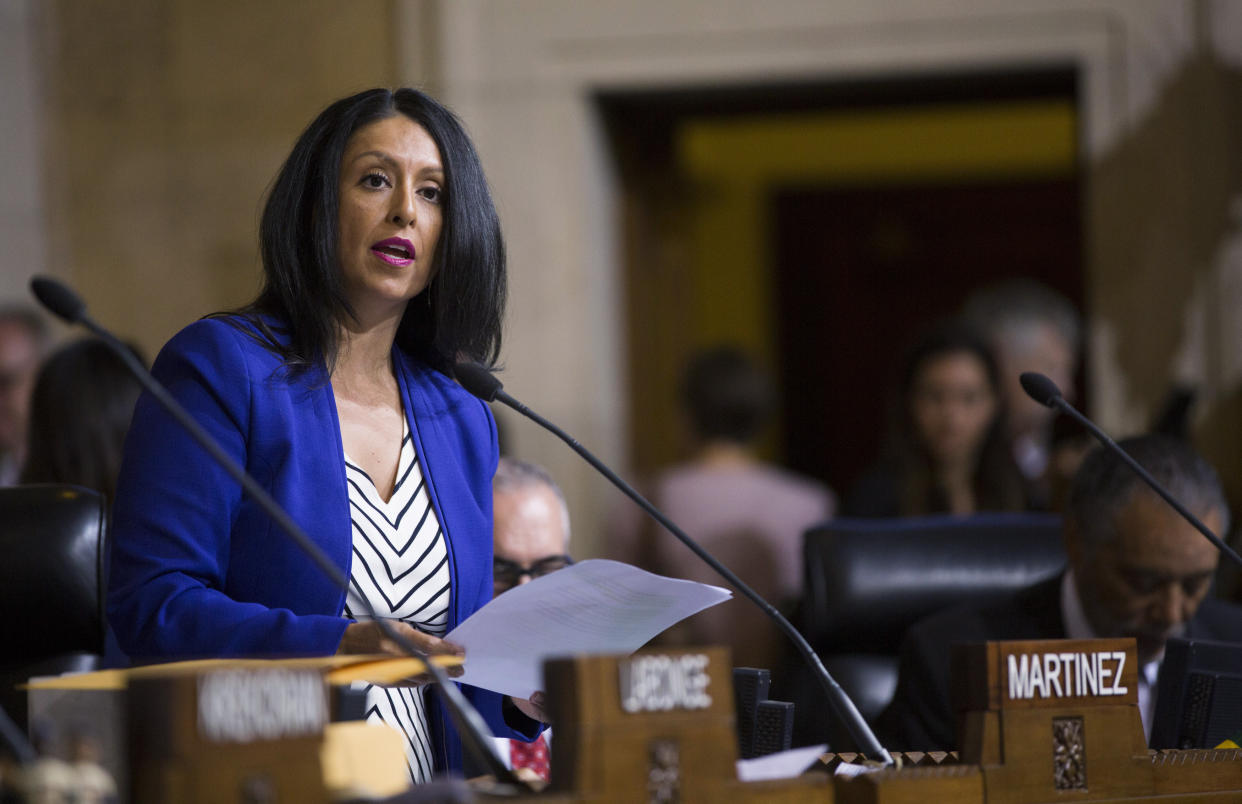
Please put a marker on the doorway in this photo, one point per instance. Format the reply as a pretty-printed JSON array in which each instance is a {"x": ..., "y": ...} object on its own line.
[
  {"x": 862, "y": 271},
  {"x": 796, "y": 220}
]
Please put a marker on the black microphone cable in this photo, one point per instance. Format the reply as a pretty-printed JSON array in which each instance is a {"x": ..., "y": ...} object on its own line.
[
  {"x": 1045, "y": 392},
  {"x": 12, "y": 737},
  {"x": 482, "y": 383}
]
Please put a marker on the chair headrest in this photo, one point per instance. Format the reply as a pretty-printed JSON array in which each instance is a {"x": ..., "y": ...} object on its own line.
[
  {"x": 868, "y": 580},
  {"x": 51, "y": 575}
]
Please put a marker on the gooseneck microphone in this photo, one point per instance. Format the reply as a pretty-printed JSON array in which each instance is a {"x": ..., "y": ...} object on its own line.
[
  {"x": 14, "y": 739},
  {"x": 1045, "y": 392},
  {"x": 482, "y": 383},
  {"x": 476, "y": 737},
  {"x": 1042, "y": 390},
  {"x": 60, "y": 300}
]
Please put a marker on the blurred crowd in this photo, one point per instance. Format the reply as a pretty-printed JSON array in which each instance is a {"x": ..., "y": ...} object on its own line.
[{"x": 961, "y": 437}]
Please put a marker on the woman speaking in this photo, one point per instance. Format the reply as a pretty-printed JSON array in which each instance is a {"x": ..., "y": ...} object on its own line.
[{"x": 383, "y": 265}]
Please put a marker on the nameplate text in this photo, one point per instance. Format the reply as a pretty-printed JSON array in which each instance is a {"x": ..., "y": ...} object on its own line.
[
  {"x": 658, "y": 683},
  {"x": 1065, "y": 675},
  {"x": 243, "y": 706}
]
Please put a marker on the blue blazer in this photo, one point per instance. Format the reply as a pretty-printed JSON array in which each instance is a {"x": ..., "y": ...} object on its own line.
[{"x": 198, "y": 570}]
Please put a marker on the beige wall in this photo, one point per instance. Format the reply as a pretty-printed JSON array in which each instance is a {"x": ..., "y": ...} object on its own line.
[
  {"x": 22, "y": 213},
  {"x": 1165, "y": 257},
  {"x": 149, "y": 129},
  {"x": 166, "y": 120}
]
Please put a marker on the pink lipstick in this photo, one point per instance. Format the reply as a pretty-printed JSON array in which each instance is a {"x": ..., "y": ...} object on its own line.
[{"x": 395, "y": 251}]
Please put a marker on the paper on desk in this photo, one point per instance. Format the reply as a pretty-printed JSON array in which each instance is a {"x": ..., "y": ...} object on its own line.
[
  {"x": 782, "y": 765},
  {"x": 594, "y": 606}
]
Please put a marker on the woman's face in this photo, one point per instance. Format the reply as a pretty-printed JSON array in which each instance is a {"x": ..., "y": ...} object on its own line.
[
  {"x": 952, "y": 406},
  {"x": 391, "y": 189}
]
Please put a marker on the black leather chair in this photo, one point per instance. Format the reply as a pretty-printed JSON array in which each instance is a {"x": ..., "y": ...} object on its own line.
[
  {"x": 52, "y": 548},
  {"x": 868, "y": 580}
]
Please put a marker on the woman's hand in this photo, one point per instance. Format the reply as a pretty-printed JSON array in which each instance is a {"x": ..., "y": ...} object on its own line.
[
  {"x": 534, "y": 707},
  {"x": 367, "y": 638}
]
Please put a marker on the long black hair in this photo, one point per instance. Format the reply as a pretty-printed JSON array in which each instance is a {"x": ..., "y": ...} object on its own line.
[
  {"x": 80, "y": 409},
  {"x": 459, "y": 313},
  {"x": 996, "y": 481}
]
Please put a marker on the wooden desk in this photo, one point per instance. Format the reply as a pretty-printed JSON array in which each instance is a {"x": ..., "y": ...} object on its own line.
[
  {"x": 1054, "y": 721},
  {"x": 659, "y": 727}
]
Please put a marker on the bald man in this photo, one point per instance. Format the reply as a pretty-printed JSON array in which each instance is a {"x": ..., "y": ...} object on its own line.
[
  {"x": 530, "y": 539},
  {"x": 531, "y": 525}
]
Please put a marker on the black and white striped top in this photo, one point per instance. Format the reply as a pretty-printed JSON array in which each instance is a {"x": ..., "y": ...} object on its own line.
[{"x": 400, "y": 565}]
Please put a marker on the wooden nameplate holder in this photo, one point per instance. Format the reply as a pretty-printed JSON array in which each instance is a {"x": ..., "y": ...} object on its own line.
[
  {"x": 233, "y": 730},
  {"x": 654, "y": 726},
  {"x": 248, "y": 733},
  {"x": 1053, "y": 721}
]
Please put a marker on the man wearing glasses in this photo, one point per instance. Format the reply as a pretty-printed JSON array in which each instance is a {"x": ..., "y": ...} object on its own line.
[{"x": 530, "y": 539}]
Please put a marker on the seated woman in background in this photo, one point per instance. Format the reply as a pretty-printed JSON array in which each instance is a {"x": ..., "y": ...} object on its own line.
[
  {"x": 946, "y": 449},
  {"x": 80, "y": 410}
]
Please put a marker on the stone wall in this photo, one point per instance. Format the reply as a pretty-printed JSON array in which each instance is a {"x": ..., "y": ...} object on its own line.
[{"x": 139, "y": 138}]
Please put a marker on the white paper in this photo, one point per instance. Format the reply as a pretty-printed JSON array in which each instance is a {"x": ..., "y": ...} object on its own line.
[
  {"x": 849, "y": 769},
  {"x": 594, "y": 606},
  {"x": 782, "y": 765}
]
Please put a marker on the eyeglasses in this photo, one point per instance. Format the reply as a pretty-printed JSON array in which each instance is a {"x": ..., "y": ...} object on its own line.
[{"x": 507, "y": 574}]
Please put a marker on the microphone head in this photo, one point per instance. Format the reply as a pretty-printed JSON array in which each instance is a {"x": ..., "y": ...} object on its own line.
[
  {"x": 478, "y": 380},
  {"x": 1040, "y": 388},
  {"x": 58, "y": 298}
]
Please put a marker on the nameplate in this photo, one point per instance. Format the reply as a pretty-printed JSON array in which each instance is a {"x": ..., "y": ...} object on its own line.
[
  {"x": 663, "y": 683},
  {"x": 244, "y": 706},
  {"x": 1049, "y": 673}
]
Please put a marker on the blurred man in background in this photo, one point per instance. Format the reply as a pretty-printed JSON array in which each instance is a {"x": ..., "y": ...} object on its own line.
[
  {"x": 1031, "y": 328},
  {"x": 749, "y": 513},
  {"x": 530, "y": 539},
  {"x": 23, "y": 339},
  {"x": 531, "y": 530}
]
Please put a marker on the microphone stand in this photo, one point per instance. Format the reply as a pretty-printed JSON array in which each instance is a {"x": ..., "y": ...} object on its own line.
[
  {"x": 475, "y": 735},
  {"x": 1058, "y": 402},
  {"x": 481, "y": 383},
  {"x": 13, "y": 738}
]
